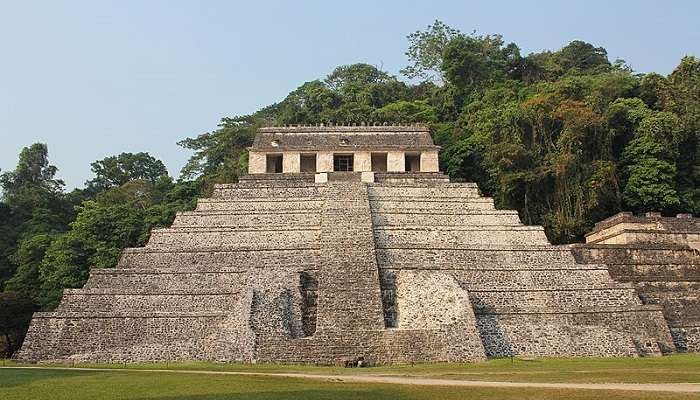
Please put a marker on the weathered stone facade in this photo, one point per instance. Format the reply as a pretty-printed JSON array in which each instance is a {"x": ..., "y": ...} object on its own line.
[
  {"x": 407, "y": 268},
  {"x": 404, "y": 148},
  {"x": 659, "y": 257}
]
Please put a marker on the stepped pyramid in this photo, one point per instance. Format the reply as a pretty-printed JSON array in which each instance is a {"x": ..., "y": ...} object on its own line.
[
  {"x": 660, "y": 257},
  {"x": 346, "y": 243}
]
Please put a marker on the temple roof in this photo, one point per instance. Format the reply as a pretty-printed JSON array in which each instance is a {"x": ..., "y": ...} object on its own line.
[{"x": 315, "y": 138}]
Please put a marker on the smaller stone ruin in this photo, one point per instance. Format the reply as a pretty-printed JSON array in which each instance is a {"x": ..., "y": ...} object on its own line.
[{"x": 660, "y": 257}]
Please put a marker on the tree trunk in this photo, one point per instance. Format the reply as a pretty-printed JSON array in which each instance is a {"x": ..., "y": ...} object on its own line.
[{"x": 8, "y": 350}]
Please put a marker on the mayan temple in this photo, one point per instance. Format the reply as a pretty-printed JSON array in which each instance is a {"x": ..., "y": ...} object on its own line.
[{"x": 346, "y": 242}]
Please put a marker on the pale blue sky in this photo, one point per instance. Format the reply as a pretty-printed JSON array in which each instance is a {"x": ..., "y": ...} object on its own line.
[{"x": 96, "y": 78}]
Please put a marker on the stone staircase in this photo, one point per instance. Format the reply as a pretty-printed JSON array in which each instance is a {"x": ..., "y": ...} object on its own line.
[{"x": 349, "y": 297}]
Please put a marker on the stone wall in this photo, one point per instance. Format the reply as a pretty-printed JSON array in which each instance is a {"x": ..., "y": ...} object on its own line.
[
  {"x": 652, "y": 228},
  {"x": 257, "y": 162},
  {"x": 429, "y": 161},
  {"x": 664, "y": 275},
  {"x": 324, "y": 161},
  {"x": 291, "y": 162},
  {"x": 362, "y": 161},
  {"x": 395, "y": 161}
]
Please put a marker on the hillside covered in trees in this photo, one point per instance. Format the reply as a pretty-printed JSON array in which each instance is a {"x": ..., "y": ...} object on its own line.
[{"x": 566, "y": 137}]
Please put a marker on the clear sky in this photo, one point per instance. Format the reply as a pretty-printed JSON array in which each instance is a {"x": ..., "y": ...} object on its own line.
[{"x": 97, "y": 78}]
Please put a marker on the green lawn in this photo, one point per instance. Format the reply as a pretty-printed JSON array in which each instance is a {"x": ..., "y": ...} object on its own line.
[
  {"x": 129, "y": 384},
  {"x": 668, "y": 369}
]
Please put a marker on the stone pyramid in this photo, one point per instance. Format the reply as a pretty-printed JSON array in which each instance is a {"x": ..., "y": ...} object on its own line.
[{"x": 408, "y": 268}]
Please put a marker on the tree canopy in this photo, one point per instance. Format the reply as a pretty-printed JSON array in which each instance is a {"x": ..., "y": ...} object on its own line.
[{"x": 117, "y": 170}]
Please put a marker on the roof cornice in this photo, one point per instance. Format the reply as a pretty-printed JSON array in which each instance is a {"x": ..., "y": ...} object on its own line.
[{"x": 321, "y": 128}]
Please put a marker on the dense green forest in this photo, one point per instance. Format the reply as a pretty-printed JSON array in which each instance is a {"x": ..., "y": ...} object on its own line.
[{"x": 566, "y": 137}]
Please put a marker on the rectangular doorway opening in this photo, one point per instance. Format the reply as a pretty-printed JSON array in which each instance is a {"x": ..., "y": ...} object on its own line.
[
  {"x": 343, "y": 162},
  {"x": 378, "y": 162},
  {"x": 412, "y": 162},
  {"x": 274, "y": 163},
  {"x": 308, "y": 163}
]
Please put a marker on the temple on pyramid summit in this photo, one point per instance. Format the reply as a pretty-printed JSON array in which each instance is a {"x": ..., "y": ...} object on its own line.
[{"x": 346, "y": 243}]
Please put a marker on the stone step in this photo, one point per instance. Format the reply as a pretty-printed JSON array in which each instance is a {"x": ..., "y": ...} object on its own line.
[
  {"x": 223, "y": 257},
  {"x": 673, "y": 286},
  {"x": 276, "y": 180},
  {"x": 654, "y": 272},
  {"x": 430, "y": 220},
  {"x": 260, "y": 205},
  {"x": 447, "y": 213},
  {"x": 422, "y": 192},
  {"x": 560, "y": 282},
  {"x": 522, "y": 279},
  {"x": 480, "y": 255},
  {"x": 482, "y": 203},
  {"x": 287, "y": 179},
  {"x": 428, "y": 199},
  {"x": 450, "y": 266},
  {"x": 491, "y": 301},
  {"x": 140, "y": 291},
  {"x": 410, "y": 178},
  {"x": 128, "y": 314},
  {"x": 201, "y": 238},
  {"x": 515, "y": 312},
  {"x": 246, "y": 221},
  {"x": 434, "y": 184},
  {"x": 229, "y": 276},
  {"x": 266, "y": 192},
  {"x": 119, "y": 300},
  {"x": 441, "y": 237},
  {"x": 172, "y": 279},
  {"x": 435, "y": 219},
  {"x": 645, "y": 254}
]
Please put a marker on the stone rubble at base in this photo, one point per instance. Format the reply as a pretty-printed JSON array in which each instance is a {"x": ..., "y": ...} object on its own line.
[{"x": 407, "y": 268}]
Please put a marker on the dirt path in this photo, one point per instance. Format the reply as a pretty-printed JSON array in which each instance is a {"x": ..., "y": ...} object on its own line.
[{"x": 645, "y": 387}]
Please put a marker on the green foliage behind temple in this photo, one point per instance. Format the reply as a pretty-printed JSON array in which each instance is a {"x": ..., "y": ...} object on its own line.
[{"x": 566, "y": 137}]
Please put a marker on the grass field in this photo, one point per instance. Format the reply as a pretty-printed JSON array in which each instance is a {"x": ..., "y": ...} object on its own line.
[{"x": 128, "y": 383}]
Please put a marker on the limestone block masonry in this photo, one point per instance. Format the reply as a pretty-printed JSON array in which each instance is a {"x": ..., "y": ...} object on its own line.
[
  {"x": 659, "y": 257},
  {"x": 409, "y": 268},
  {"x": 291, "y": 162}
]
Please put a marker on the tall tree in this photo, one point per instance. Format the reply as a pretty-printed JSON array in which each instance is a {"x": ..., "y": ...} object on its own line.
[
  {"x": 681, "y": 96},
  {"x": 472, "y": 62},
  {"x": 426, "y": 49},
  {"x": 117, "y": 170},
  {"x": 32, "y": 183},
  {"x": 650, "y": 164},
  {"x": 221, "y": 155},
  {"x": 582, "y": 56},
  {"x": 33, "y": 203}
]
